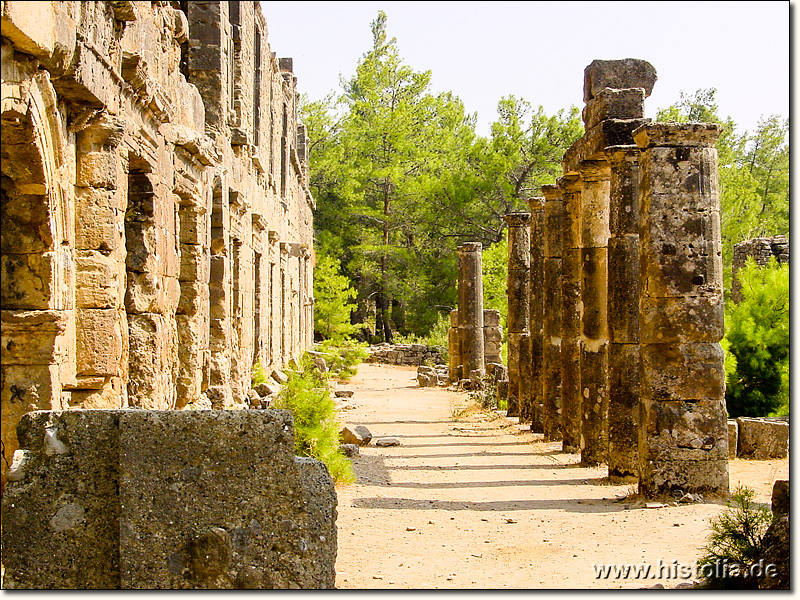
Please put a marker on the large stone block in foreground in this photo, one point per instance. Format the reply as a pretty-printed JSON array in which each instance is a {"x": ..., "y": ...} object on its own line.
[{"x": 138, "y": 499}]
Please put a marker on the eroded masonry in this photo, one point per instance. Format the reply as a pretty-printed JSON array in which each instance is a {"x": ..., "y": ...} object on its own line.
[
  {"x": 157, "y": 222},
  {"x": 625, "y": 313}
]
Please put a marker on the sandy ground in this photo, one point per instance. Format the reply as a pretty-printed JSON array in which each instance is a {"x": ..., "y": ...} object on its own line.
[{"x": 471, "y": 500}]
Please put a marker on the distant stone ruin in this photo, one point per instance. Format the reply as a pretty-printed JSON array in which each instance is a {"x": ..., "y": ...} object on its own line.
[
  {"x": 475, "y": 336},
  {"x": 625, "y": 308},
  {"x": 760, "y": 250}
]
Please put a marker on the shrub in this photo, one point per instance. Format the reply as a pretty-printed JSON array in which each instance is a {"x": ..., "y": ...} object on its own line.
[
  {"x": 343, "y": 357},
  {"x": 316, "y": 430},
  {"x": 736, "y": 539},
  {"x": 757, "y": 335},
  {"x": 257, "y": 374}
]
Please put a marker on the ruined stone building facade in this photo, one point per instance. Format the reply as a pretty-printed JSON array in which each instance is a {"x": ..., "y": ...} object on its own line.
[{"x": 156, "y": 217}]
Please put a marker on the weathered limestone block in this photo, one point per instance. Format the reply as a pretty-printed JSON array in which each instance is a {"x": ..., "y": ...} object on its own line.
[
  {"x": 100, "y": 341},
  {"x": 610, "y": 103},
  {"x": 763, "y": 439},
  {"x": 681, "y": 319},
  {"x": 594, "y": 292},
  {"x": 97, "y": 170},
  {"x": 682, "y": 371},
  {"x": 686, "y": 431},
  {"x": 153, "y": 340},
  {"x": 491, "y": 318},
  {"x": 32, "y": 336},
  {"x": 109, "y": 395},
  {"x": 137, "y": 500},
  {"x": 618, "y": 74},
  {"x": 99, "y": 281},
  {"x": 28, "y": 281}
]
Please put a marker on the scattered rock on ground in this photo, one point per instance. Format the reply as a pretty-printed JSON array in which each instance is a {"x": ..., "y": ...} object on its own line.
[
  {"x": 364, "y": 433},
  {"x": 320, "y": 364},
  {"x": 280, "y": 377},
  {"x": 343, "y": 393},
  {"x": 350, "y": 450},
  {"x": 267, "y": 389},
  {"x": 358, "y": 435},
  {"x": 386, "y": 442}
]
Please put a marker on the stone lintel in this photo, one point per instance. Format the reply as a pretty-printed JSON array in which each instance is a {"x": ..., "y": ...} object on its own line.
[
  {"x": 622, "y": 152},
  {"x": 551, "y": 192},
  {"x": 536, "y": 203},
  {"x": 569, "y": 183},
  {"x": 595, "y": 170},
  {"x": 592, "y": 146},
  {"x": 697, "y": 135},
  {"x": 618, "y": 74}
]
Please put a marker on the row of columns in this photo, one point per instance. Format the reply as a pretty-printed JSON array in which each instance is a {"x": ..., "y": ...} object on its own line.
[{"x": 615, "y": 295}]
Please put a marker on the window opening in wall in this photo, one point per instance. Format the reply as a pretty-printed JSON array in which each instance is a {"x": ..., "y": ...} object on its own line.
[
  {"x": 283, "y": 313},
  {"x": 271, "y": 300},
  {"x": 271, "y": 130},
  {"x": 257, "y": 307}
]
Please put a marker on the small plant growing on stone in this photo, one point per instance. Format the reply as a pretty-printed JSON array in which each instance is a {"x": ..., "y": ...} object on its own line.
[
  {"x": 257, "y": 374},
  {"x": 486, "y": 396},
  {"x": 316, "y": 430},
  {"x": 735, "y": 539}
]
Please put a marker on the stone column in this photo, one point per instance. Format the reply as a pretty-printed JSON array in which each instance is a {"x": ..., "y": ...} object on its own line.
[
  {"x": 596, "y": 178},
  {"x": 518, "y": 292},
  {"x": 492, "y": 336},
  {"x": 683, "y": 436},
  {"x": 552, "y": 309},
  {"x": 454, "y": 348},
  {"x": 571, "y": 314},
  {"x": 623, "y": 313},
  {"x": 536, "y": 311},
  {"x": 470, "y": 308}
]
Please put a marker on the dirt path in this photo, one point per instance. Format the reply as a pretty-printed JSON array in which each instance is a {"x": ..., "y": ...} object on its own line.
[{"x": 476, "y": 502}]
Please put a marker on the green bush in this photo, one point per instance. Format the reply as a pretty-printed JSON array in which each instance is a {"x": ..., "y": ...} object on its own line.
[
  {"x": 736, "y": 539},
  {"x": 257, "y": 374},
  {"x": 316, "y": 430},
  {"x": 757, "y": 336},
  {"x": 343, "y": 357}
]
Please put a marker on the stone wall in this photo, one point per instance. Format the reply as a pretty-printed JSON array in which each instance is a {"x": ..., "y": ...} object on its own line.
[
  {"x": 140, "y": 499},
  {"x": 406, "y": 354},
  {"x": 157, "y": 220},
  {"x": 761, "y": 250}
]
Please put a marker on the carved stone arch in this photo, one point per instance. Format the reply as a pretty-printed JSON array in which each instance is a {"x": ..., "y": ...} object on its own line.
[{"x": 36, "y": 263}]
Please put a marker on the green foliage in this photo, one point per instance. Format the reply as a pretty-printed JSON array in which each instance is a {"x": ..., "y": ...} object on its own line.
[
  {"x": 401, "y": 179},
  {"x": 343, "y": 357},
  {"x": 257, "y": 374},
  {"x": 495, "y": 273},
  {"x": 332, "y": 294},
  {"x": 486, "y": 396},
  {"x": 736, "y": 536},
  {"x": 316, "y": 430},
  {"x": 757, "y": 335},
  {"x": 437, "y": 336}
]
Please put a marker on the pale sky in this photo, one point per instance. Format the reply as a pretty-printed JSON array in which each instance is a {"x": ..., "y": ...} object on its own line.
[{"x": 482, "y": 51}]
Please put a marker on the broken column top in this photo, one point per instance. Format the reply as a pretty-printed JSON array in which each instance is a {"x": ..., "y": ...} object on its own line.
[
  {"x": 517, "y": 219},
  {"x": 618, "y": 74},
  {"x": 698, "y": 135},
  {"x": 536, "y": 203},
  {"x": 470, "y": 247},
  {"x": 551, "y": 192}
]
